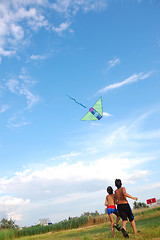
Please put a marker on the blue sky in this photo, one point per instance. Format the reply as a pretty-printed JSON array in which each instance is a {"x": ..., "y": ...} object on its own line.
[{"x": 53, "y": 165}]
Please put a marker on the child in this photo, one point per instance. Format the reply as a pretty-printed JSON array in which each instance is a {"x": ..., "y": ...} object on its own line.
[
  {"x": 111, "y": 208},
  {"x": 124, "y": 208}
]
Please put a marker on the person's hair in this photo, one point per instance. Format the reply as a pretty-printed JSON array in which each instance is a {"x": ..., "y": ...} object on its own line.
[
  {"x": 118, "y": 183},
  {"x": 110, "y": 190}
]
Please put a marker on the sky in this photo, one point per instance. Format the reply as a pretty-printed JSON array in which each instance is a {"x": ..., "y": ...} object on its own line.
[{"x": 52, "y": 164}]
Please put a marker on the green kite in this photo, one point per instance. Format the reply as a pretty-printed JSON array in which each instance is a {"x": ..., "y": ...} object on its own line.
[{"x": 94, "y": 113}]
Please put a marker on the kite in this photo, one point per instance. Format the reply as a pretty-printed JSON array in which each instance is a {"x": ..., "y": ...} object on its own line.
[{"x": 94, "y": 113}]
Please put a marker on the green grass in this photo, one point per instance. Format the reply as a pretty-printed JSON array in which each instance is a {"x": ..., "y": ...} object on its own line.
[
  {"x": 147, "y": 222},
  {"x": 149, "y": 229}
]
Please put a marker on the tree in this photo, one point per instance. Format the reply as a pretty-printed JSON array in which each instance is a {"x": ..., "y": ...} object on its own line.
[
  {"x": 7, "y": 223},
  {"x": 137, "y": 205},
  {"x": 91, "y": 214}
]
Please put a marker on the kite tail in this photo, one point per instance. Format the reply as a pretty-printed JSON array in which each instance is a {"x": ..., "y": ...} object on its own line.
[{"x": 76, "y": 101}]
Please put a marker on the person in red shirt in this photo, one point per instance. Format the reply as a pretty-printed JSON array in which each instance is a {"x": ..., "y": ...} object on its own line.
[
  {"x": 111, "y": 208},
  {"x": 123, "y": 207}
]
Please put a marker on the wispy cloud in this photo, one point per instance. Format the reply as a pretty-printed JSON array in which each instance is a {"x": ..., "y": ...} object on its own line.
[
  {"x": 19, "y": 18},
  {"x": 130, "y": 132},
  {"x": 21, "y": 86},
  {"x": 38, "y": 57},
  {"x": 6, "y": 53},
  {"x": 4, "y": 108},
  {"x": 112, "y": 63},
  {"x": 69, "y": 7},
  {"x": 131, "y": 79},
  {"x": 66, "y": 156},
  {"x": 17, "y": 120},
  {"x": 148, "y": 135}
]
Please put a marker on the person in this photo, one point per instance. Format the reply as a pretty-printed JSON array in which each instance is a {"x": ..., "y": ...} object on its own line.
[
  {"x": 111, "y": 208},
  {"x": 123, "y": 207}
]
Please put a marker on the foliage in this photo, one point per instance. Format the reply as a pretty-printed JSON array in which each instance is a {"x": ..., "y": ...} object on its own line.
[
  {"x": 92, "y": 214},
  {"x": 7, "y": 224},
  {"x": 139, "y": 205}
]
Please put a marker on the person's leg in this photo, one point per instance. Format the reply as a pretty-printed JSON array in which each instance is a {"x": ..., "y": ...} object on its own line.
[
  {"x": 124, "y": 224},
  {"x": 123, "y": 230},
  {"x": 112, "y": 224},
  {"x": 118, "y": 217},
  {"x": 133, "y": 224},
  {"x": 117, "y": 220}
]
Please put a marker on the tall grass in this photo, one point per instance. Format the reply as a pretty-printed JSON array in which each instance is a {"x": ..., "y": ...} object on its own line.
[{"x": 7, "y": 234}]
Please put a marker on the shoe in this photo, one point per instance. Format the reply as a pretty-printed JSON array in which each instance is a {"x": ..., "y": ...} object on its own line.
[
  {"x": 125, "y": 234},
  {"x": 117, "y": 227}
]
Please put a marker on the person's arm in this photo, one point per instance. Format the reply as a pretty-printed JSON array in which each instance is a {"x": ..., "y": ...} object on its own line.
[
  {"x": 127, "y": 195},
  {"x": 106, "y": 202},
  {"x": 115, "y": 199}
]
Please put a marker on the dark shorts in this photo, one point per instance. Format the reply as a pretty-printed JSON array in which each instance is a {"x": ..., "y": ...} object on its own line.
[{"x": 125, "y": 212}]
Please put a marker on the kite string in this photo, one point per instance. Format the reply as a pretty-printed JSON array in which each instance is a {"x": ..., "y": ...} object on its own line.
[{"x": 76, "y": 101}]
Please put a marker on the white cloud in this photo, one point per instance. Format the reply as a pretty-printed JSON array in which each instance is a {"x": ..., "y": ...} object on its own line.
[
  {"x": 19, "y": 18},
  {"x": 14, "y": 19},
  {"x": 21, "y": 87},
  {"x": 131, "y": 79},
  {"x": 25, "y": 99},
  {"x": 77, "y": 172},
  {"x": 6, "y": 53},
  {"x": 13, "y": 206},
  {"x": 13, "y": 85},
  {"x": 67, "y": 183},
  {"x": 94, "y": 5},
  {"x": 112, "y": 63},
  {"x": 105, "y": 114},
  {"x": 148, "y": 135},
  {"x": 77, "y": 196},
  {"x": 71, "y": 7},
  {"x": 62, "y": 27},
  {"x": 17, "y": 31},
  {"x": 66, "y": 156},
  {"x": 148, "y": 188},
  {"x": 130, "y": 132},
  {"x": 17, "y": 120},
  {"x": 4, "y": 108},
  {"x": 12, "y": 201},
  {"x": 18, "y": 3},
  {"x": 31, "y": 98},
  {"x": 37, "y": 57}
]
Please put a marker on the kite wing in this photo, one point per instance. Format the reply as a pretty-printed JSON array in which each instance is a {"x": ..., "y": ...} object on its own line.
[{"x": 95, "y": 112}]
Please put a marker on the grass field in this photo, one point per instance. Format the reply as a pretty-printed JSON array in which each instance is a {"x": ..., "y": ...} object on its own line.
[{"x": 147, "y": 222}]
